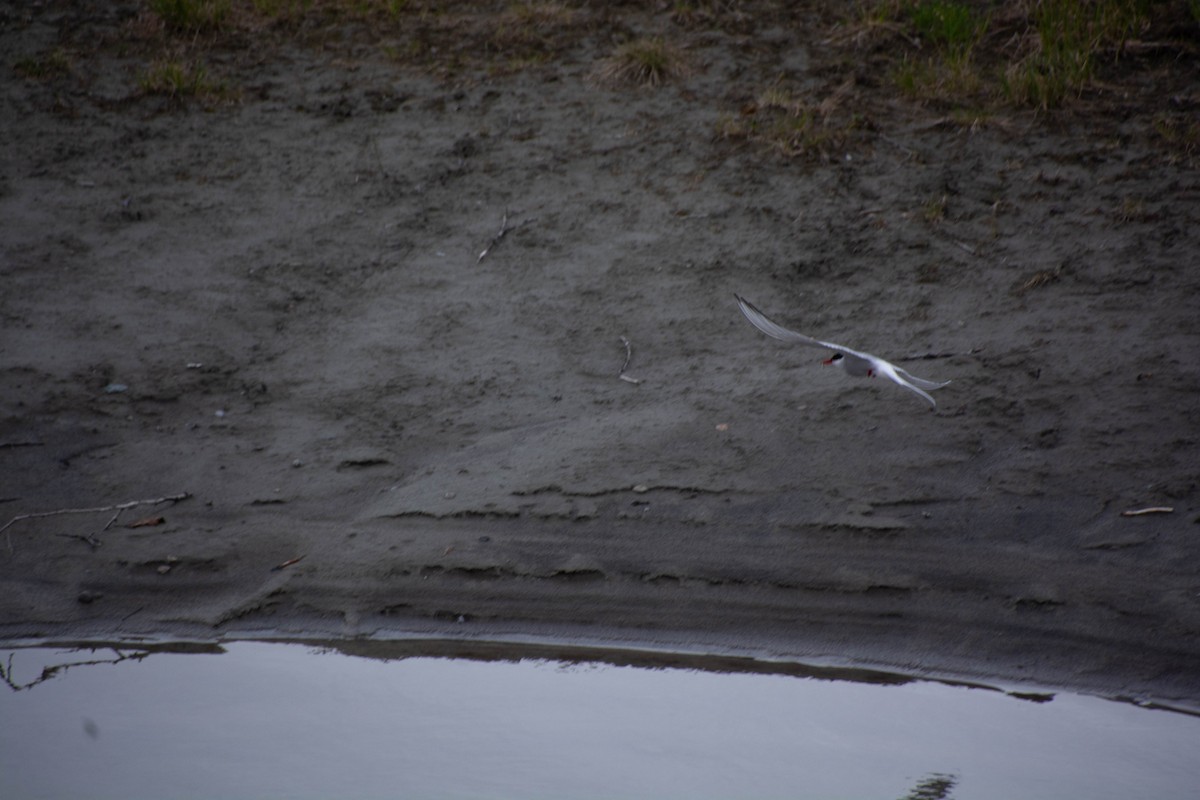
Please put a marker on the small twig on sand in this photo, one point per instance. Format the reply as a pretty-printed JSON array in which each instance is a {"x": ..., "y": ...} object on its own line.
[
  {"x": 625, "y": 366},
  {"x": 504, "y": 229},
  {"x": 908, "y": 151},
  {"x": 287, "y": 563},
  {"x": 173, "y": 498},
  {"x": 1152, "y": 510},
  {"x": 927, "y": 356},
  {"x": 495, "y": 239},
  {"x": 88, "y": 539}
]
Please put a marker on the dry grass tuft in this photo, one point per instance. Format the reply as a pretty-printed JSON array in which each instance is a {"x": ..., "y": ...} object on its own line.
[
  {"x": 792, "y": 124},
  {"x": 531, "y": 33},
  {"x": 934, "y": 209},
  {"x": 650, "y": 61},
  {"x": 1133, "y": 209},
  {"x": 1180, "y": 134},
  {"x": 1039, "y": 279}
]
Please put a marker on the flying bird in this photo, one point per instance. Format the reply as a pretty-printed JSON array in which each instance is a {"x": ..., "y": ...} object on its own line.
[{"x": 856, "y": 364}]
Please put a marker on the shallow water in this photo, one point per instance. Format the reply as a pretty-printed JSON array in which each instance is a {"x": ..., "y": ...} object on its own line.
[{"x": 280, "y": 720}]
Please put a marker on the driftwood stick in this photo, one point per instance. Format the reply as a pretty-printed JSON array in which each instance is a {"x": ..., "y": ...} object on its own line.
[
  {"x": 1152, "y": 510},
  {"x": 113, "y": 520},
  {"x": 625, "y": 366},
  {"x": 495, "y": 239},
  {"x": 504, "y": 229},
  {"x": 119, "y": 507},
  {"x": 88, "y": 539}
]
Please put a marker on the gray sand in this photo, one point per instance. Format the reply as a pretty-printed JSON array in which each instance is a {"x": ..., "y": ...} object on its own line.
[{"x": 277, "y": 306}]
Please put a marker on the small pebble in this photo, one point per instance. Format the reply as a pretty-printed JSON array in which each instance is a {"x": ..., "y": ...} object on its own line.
[
  {"x": 115, "y": 388},
  {"x": 164, "y": 569}
]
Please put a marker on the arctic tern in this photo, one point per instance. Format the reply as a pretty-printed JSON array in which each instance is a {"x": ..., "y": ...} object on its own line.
[{"x": 855, "y": 363}]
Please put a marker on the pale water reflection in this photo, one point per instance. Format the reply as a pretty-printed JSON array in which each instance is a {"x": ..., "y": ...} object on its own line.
[{"x": 275, "y": 720}]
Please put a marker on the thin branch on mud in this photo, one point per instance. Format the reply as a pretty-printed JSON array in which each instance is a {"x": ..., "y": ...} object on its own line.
[
  {"x": 173, "y": 498},
  {"x": 504, "y": 229},
  {"x": 495, "y": 239},
  {"x": 1152, "y": 510},
  {"x": 928, "y": 356},
  {"x": 88, "y": 539},
  {"x": 908, "y": 151},
  {"x": 625, "y": 366},
  {"x": 287, "y": 563}
]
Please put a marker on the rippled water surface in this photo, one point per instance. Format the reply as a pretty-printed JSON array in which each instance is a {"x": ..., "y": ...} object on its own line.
[{"x": 274, "y": 720}]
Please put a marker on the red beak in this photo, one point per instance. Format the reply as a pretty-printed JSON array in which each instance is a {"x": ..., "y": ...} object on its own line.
[{"x": 827, "y": 362}]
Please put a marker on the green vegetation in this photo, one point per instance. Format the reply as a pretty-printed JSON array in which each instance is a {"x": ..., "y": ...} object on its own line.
[
  {"x": 178, "y": 80},
  {"x": 192, "y": 15},
  {"x": 950, "y": 73},
  {"x": 953, "y": 78},
  {"x": 974, "y": 62},
  {"x": 282, "y": 9},
  {"x": 54, "y": 64},
  {"x": 1071, "y": 38},
  {"x": 1034, "y": 54},
  {"x": 934, "y": 209},
  {"x": 952, "y": 27}
]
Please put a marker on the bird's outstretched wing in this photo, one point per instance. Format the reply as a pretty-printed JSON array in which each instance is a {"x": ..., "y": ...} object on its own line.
[
  {"x": 899, "y": 376},
  {"x": 777, "y": 331}
]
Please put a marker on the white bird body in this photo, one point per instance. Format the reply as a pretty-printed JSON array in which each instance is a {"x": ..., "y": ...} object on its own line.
[{"x": 856, "y": 364}]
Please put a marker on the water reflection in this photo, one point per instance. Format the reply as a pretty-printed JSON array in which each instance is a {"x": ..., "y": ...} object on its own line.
[
  {"x": 932, "y": 787},
  {"x": 51, "y": 670},
  {"x": 482, "y": 720},
  {"x": 119, "y": 653}
]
